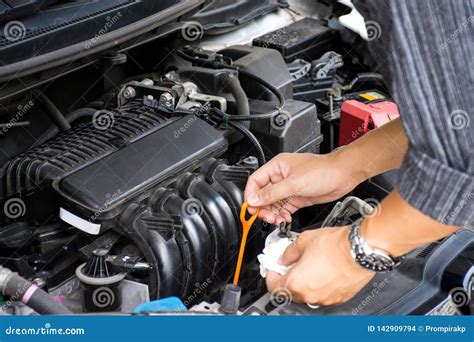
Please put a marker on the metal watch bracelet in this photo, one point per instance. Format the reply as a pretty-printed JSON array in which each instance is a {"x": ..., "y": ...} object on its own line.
[{"x": 368, "y": 257}]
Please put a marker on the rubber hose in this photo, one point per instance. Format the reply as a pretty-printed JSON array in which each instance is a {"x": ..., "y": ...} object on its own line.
[
  {"x": 364, "y": 77},
  {"x": 211, "y": 64},
  {"x": 36, "y": 298},
  {"x": 278, "y": 94},
  {"x": 249, "y": 135},
  {"x": 70, "y": 117},
  {"x": 241, "y": 99},
  {"x": 54, "y": 113}
]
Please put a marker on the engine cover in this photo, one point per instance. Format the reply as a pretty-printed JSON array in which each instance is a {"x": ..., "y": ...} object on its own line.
[
  {"x": 30, "y": 175},
  {"x": 94, "y": 169},
  {"x": 92, "y": 196}
]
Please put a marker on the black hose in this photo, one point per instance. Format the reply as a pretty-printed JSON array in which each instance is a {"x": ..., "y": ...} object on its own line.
[
  {"x": 217, "y": 65},
  {"x": 70, "y": 117},
  {"x": 54, "y": 113},
  {"x": 253, "y": 140},
  {"x": 225, "y": 118},
  {"x": 96, "y": 105},
  {"x": 241, "y": 99},
  {"x": 263, "y": 116},
  {"x": 37, "y": 299},
  {"x": 278, "y": 94},
  {"x": 364, "y": 77}
]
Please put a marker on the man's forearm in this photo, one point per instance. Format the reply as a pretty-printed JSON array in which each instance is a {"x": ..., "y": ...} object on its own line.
[
  {"x": 399, "y": 228},
  {"x": 376, "y": 152}
]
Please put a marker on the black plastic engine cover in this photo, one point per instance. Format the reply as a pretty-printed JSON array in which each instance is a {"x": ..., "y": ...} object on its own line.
[
  {"x": 307, "y": 39},
  {"x": 94, "y": 195},
  {"x": 29, "y": 176}
]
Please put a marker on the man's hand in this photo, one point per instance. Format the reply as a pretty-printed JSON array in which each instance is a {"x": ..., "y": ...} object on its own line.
[
  {"x": 291, "y": 181},
  {"x": 324, "y": 272}
]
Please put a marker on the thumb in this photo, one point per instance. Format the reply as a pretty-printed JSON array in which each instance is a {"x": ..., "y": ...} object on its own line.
[
  {"x": 293, "y": 252},
  {"x": 270, "y": 194}
]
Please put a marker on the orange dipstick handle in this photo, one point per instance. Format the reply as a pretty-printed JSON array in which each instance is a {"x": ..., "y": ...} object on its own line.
[{"x": 246, "y": 225}]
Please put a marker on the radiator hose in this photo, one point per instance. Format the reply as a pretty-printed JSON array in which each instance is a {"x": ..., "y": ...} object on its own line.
[{"x": 18, "y": 288}]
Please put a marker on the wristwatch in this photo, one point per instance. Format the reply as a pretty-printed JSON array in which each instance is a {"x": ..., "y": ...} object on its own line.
[{"x": 368, "y": 257}]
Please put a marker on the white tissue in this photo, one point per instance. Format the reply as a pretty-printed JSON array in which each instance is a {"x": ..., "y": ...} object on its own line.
[{"x": 274, "y": 249}]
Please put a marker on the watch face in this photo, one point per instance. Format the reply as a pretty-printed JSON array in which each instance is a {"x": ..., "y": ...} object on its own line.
[
  {"x": 370, "y": 258},
  {"x": 375, "y": 262}
]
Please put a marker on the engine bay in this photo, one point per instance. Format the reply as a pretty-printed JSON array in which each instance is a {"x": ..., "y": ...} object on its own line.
[{"x": 134, "y": 197}]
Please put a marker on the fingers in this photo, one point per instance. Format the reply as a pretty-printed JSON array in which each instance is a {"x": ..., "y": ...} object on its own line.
[
  {"x": 259, "y": 185},
  {"x": 294, "y": 251},
  {"x": 275, "y": 214},
  {"x": 274, "y": 281},
  {"x": 270, "y": 194},
  {"x": 284, "y": 284},
  {"x": 261, "y": 178}
]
